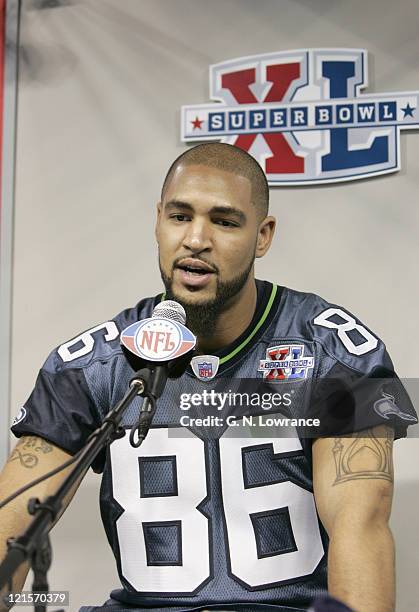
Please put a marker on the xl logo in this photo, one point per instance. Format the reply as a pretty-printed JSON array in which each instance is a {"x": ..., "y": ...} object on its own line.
[
  {"x": 286, "y": 363},
  {"x": 301, "y": 115}
]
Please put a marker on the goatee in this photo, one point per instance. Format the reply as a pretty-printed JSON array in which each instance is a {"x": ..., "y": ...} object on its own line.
[{"x": 202, "y": 318}]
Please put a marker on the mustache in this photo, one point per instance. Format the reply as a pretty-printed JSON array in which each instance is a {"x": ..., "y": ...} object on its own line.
[{"x": 205, "y": 261}]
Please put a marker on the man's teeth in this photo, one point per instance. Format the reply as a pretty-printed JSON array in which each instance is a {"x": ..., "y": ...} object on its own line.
[{"x": 195, "y": 270}]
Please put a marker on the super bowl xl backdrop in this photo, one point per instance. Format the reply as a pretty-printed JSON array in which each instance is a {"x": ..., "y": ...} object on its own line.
[{"x": 303, "y": 116}]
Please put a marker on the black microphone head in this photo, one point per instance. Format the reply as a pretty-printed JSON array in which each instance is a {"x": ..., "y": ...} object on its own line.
[{"x": 169, "y": 309}]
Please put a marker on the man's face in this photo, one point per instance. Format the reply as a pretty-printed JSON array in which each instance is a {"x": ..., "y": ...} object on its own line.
[{"x": 207, "y": 230}]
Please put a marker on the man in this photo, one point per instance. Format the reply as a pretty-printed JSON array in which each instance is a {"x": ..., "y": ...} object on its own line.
[{"x": 202, "y": 518}]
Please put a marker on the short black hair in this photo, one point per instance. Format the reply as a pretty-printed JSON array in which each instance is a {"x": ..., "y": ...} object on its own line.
[{"x": 231, "y": 159}]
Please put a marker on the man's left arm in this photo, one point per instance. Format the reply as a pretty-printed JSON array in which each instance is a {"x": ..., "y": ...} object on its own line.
[{"x": 353, "y": 488}]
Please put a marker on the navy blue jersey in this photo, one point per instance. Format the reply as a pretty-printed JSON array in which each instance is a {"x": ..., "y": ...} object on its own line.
[{"x": 210, "y": 513}]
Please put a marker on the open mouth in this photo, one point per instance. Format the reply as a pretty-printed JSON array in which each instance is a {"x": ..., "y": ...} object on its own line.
[
  {"x": 195, "y": 271},
  {"x": 194, "y": 274},
  {"x": 196, "y": 268}
]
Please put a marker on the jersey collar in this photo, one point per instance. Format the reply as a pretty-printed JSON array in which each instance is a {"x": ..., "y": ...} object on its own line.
[{"x": 268, "y": 299}]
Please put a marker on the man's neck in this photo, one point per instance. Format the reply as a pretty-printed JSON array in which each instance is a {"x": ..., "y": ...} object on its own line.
[{"x": 233, "y": 321}]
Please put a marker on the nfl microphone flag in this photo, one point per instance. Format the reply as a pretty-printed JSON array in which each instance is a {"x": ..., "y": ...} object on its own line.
[{"x": 9, "y": 22}]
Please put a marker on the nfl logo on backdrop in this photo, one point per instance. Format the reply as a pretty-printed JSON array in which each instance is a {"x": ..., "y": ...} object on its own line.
[
  {"x": 302, "y": 116},
  {"x": 205, "y": 367},
  {"x": 286, "y": 362}
]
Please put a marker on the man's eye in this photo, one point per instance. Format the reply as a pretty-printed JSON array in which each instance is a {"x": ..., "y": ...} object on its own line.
[
  {"x": 179, "y": 217},
  {"x": 225, "y": 223}
]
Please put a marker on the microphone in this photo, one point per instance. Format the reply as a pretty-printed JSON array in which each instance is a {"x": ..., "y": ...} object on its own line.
[{"x": 157, "y": 348}]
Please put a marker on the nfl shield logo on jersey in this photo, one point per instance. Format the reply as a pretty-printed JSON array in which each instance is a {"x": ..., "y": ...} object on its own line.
[
  {"x": 286, "y": 362},
  {"x": 301, "y": 115},
  {"x": 205, "y": 367}
]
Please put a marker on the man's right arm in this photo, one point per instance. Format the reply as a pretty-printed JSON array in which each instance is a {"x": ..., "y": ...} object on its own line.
[{"x": 31, "y": 458}]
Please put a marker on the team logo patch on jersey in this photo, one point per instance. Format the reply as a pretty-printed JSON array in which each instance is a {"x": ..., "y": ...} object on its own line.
[
  {"x": 302, "y": 116},
  {"x": 158, "y": 339},
  {"x": 20, "y": 416},
  {"x": 386, "y": 406},
  {"x": 286, "y": 362},
  {"x": 205, "y": 367}
]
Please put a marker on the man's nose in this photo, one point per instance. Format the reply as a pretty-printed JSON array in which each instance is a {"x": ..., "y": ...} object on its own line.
[{"x": 198, "y": 236}]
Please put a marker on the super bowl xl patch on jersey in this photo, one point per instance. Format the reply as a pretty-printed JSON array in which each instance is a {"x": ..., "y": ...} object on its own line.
[
  {"x": 286, "y": 362},
  {"x": 205, "y": 367}
]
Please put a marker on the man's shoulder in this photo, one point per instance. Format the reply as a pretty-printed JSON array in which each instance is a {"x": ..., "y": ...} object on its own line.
[
  {"x": 334, "y": 328},
  {"x": 99, "y": 342},
  {"x": 298, "y": 311},
  {"x": 303, "y": 303}
]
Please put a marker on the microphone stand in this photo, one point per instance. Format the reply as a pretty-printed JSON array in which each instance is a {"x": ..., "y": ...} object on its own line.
[{"x": 34, "y": 544}]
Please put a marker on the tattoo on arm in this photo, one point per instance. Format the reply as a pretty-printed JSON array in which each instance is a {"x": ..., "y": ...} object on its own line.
[
  {"x": 29, "y": 450},
  {"x": 367, "y": 454}
]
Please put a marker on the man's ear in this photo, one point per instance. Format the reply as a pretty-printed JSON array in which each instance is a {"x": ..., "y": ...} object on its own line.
[
  {"x": 265, "y": 235},
  {"x": 158, "y": 217}
]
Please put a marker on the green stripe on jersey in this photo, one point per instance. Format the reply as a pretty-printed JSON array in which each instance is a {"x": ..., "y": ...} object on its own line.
[{"x": 255, "y": 329}]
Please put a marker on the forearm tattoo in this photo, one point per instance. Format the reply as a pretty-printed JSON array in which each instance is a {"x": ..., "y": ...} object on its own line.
[
  {"x": 367, "y": 454},
  {"x": 29, "y": 450}
]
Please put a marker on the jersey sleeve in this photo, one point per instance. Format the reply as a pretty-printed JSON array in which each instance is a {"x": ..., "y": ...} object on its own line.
[
  {"x": 61, "y": 408},
  {"x": 79, "y": 383},
  {"x": 356, "y": 386}
]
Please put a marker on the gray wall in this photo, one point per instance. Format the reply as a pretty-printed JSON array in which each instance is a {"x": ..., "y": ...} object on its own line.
[{"x": 101, "y": 85}]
